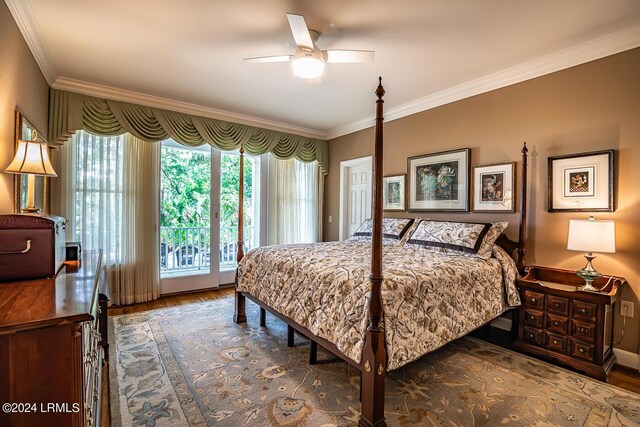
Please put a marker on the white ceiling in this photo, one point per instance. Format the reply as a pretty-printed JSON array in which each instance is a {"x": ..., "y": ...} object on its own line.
[{"x": 187, "y": 55}]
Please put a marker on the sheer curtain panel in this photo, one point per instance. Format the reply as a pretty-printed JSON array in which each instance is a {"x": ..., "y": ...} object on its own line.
[
  {"x": 110, "y": 197},
  {"x": 293, "y": 202}
]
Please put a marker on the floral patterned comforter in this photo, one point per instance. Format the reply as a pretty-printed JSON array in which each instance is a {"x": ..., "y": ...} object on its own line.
[{"x": 429, "y": 297}]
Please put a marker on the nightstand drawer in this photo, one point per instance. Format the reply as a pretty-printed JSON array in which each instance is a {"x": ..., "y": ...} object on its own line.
[
  {"x": 533, "y": 317},
  {"x": 582, "y": 330},
  {"x": 584, "y": 310},
  {"x": 582, "y": 350},
  {"x": 533, "y": 336},
  {"x": 533, "y": 299},
  {"x": 557, "y": 342},
  {"x": 557, "y": 305},
  {"x": 557, "y": 323}
]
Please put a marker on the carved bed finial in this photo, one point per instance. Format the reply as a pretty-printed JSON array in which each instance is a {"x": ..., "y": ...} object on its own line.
[{"x": 380, "y": 90}]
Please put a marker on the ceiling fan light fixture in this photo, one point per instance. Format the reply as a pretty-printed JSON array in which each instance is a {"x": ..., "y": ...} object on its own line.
[
  {"x": 308, "y": 64},
  {"x": 308, "y": 68}
]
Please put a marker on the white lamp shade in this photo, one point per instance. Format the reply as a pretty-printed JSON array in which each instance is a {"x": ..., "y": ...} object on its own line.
[
  {"x": 590, "y": 235},
  {"x": 32, "y": 157}
]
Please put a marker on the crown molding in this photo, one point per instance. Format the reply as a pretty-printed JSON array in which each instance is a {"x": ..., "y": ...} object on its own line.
[
  {"x": 28, "y": 24},
  {"x": 610, "y": 44},
  {"x": 108, "y": 92}
]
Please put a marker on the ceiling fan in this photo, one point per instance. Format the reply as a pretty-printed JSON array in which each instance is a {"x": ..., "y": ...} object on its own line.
[{"x": 308, "y": 61}]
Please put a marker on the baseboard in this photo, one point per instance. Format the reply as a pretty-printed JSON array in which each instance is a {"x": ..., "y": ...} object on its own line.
[
  {"x": 502, "y": 323},
  {"x": 624, "y": 358},
  {"x": 627, "y": 358}
]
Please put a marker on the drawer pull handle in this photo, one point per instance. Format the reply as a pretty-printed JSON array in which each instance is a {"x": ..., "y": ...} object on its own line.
[
  {"x": 27, "y": 249},
  {"x": 533, "y": 300},
  {"x": 555, "y": 323},
  {"x": 583, "y": 310},
  {"x": 530, "y": 335},
  {"x": 556, "y": 305},
  {"x": 532, "y": 317},
  {"x": 582, "y": 330},
  {"x": 581, "y": 350},
  {"x": 555, "y": 341}
]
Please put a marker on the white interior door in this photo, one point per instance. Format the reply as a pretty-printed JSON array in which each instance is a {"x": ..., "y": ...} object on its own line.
[{"x": 355, "y": 189}]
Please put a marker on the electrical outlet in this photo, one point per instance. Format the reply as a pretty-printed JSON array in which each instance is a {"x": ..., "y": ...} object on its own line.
[
  {"x": 330, "y": 219},
  {"x": 626, "y": 308}
]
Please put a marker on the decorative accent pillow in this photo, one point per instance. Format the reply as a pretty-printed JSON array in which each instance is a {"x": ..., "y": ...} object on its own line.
[
  {"x": 465, "y": 237},
  {"x": 412, "y": 228},
  {"x": 392, "y": 228}
]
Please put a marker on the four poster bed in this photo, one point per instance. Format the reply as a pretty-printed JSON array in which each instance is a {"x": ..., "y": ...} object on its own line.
[{"x": 331, "y": 294}]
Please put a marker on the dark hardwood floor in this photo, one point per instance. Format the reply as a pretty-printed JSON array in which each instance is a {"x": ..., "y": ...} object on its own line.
[{"x": 622, "y": 377}]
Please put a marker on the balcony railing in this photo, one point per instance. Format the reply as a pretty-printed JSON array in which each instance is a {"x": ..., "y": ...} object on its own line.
[{"x": 186, "y": 250}]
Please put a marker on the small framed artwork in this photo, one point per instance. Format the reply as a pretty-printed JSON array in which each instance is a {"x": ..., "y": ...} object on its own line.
[
  {"x": 440, "y": 181},
  {"x": 394, "y": 192},
  {"x": 581, "y": 182},
  {"x": 493, "y": 188}
]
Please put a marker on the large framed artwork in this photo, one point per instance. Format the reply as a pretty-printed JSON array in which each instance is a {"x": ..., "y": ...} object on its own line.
[
  {"x": 440, "y": 181},
  {"x": 394, "y": 193},
  {"x": 581, "y": 182},
  {"x": 493, "y": 188}
]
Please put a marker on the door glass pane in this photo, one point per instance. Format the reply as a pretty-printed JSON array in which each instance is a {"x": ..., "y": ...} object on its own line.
[
  {"x": 185, "y": 223},
  {"x": 229, "y": 174}
]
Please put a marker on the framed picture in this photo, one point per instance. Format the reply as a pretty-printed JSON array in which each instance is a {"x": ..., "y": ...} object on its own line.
[
  {"x": 440, "y": 181},
  {"x": 394, "y": 193},
  {"x": 581, "y": 182},
  {"x": 493, "y": 188}
]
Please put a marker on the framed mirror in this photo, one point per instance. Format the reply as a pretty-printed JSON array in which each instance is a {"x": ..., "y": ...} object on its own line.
[{"x": 27, "y": 132}]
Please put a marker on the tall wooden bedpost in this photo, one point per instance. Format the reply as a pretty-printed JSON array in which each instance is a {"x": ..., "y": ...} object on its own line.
[
  {"x": 239, "y": 315},
  {"x": 520, "y": 264},
  {"x": 374, "y": 353}
]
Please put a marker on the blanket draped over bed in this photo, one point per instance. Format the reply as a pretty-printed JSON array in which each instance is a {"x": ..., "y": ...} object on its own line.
[{"x": 430, "y": 297}]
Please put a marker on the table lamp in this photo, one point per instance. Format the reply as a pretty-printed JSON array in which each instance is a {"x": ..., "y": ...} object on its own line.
[
  {"x": 32, "y": 158},
  {"x": 591, "y": 235}
]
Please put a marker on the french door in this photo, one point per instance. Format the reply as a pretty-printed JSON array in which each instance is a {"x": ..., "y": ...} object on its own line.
[{"x": 198, "y": 216}]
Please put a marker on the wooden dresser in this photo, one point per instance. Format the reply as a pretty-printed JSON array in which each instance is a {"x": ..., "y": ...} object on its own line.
[
  {"x": 50, "y": 347},
  {"x": 564, "y": 325}
]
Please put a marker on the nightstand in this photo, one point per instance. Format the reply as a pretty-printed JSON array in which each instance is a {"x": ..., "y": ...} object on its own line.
[{"x": 566, "y": 326}]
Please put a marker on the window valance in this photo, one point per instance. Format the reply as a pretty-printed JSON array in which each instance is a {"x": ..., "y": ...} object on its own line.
[{"x": 70, "y": 112}]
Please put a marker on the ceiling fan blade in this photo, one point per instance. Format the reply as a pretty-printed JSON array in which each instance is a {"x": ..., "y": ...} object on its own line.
[
  {"x": 300, "y": 30},
  {"x": 281, "y": 58},
  {"x": 347, "y": 56}
]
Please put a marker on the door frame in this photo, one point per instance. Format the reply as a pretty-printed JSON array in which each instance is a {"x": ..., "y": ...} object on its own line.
[{"x": 344, "y": 168}]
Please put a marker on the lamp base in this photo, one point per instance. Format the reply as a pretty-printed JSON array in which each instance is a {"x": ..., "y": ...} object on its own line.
[
  {"x": 588, "y": 287},
  {"x": 589, "y": 274},
  {"x": 30, "y": 209}
]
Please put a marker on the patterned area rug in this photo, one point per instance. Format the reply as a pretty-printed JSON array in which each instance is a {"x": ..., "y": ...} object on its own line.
[{"x": 191, "y": 366}]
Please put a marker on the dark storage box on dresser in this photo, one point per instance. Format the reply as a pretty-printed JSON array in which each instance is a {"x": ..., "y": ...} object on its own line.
[
  {"x": 567, "y": 326},
  {"x": 32, "y": 246}
]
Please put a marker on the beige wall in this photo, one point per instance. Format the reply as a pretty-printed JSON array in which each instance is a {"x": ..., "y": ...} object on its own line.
[
  {"x": 594, "y": 106},
  {"x": 22, "y": 86}
]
